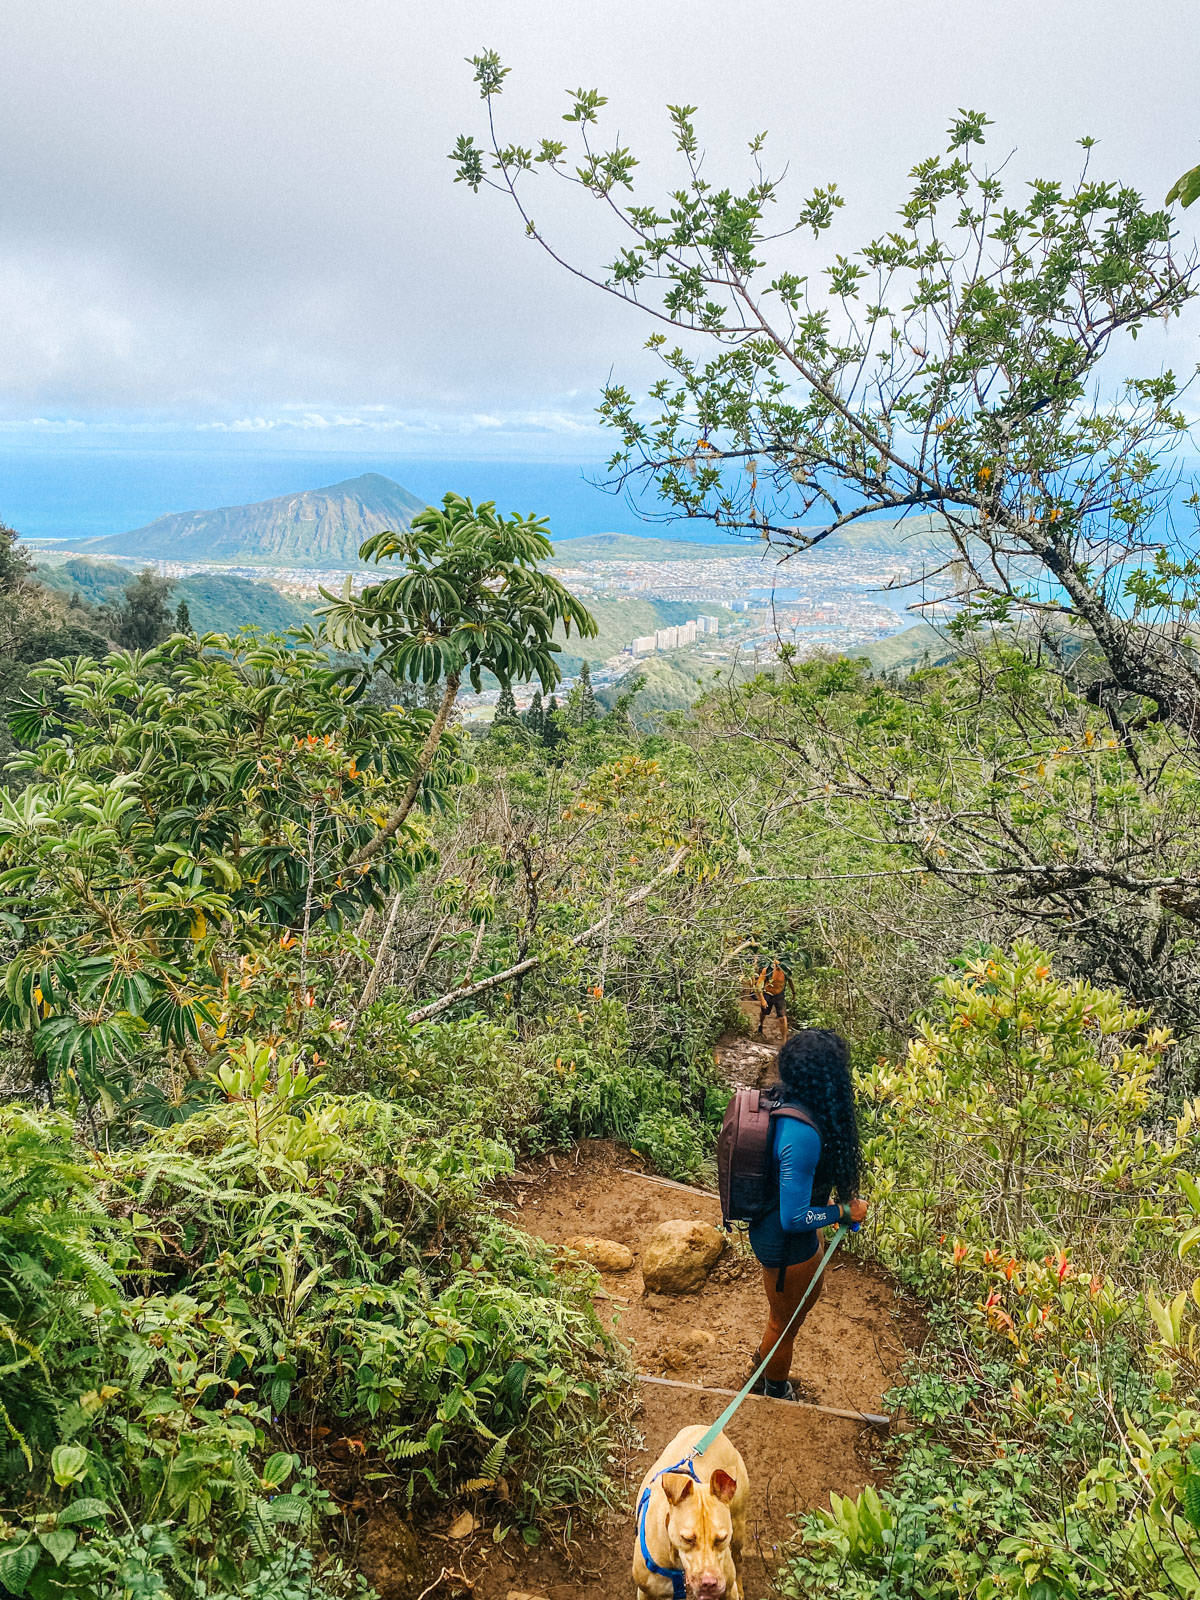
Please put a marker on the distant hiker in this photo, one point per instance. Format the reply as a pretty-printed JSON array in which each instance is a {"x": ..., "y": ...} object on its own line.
[
  {"x": 813, "y": 1150},
  {"x": 770, "y": 982}
]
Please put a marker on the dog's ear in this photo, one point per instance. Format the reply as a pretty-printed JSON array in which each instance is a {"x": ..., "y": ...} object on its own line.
[
  {"x": 676, "y": 1486},
  {"x": 723, "y": 1486}
]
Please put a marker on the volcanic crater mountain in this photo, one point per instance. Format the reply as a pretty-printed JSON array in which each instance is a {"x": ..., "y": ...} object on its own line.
[{"x": 312, "y": 528}]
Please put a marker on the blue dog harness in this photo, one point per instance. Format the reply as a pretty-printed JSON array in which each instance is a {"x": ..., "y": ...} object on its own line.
[{"x": 678, "y": 1587}]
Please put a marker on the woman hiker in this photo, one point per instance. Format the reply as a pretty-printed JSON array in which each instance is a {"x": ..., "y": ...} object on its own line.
[{"x": 809, "y": 1163}]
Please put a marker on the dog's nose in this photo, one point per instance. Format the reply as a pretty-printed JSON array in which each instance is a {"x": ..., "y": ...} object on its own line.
[{"x": 710, "y": 1587}]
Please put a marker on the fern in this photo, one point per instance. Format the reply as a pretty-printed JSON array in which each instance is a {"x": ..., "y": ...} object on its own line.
[
  {"x": 395, "y": 1445},
  {"x": 1191, "y": 1498},
  {"x": 15, "y": 1434},
  {"x": 491, "y": 1464}
]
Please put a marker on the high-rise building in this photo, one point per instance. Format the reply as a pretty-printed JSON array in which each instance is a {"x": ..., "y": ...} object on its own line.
[
  {"x": 666, "y": 638},
  {"x": 643, "y": 645}
]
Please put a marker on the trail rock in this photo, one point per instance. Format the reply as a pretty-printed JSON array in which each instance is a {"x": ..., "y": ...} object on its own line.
[
  {"x": 606, "y": 1254},
  {"x": 679, "y": 1350},
  {"x": 677, "y": 1256}
]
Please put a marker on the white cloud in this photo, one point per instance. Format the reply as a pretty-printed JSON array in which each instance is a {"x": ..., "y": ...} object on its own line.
[{"x": 210, "y": 208}]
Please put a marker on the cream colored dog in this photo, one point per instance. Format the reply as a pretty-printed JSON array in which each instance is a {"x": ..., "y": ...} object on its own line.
[{"x": 693, "y": 1528}]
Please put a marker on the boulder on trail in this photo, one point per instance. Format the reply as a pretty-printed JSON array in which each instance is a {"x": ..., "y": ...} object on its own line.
[
  {"x": 606, "y": 1254},
  {"x": 681, "y": 1347},
  {"x": 677, "y": 1256}
]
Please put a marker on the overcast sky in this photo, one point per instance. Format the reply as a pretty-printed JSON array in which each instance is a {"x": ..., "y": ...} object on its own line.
[{"x": 240, "y": 215}]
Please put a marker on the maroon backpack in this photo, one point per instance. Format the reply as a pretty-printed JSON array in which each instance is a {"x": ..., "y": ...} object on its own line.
[{"x": 744, "y": 1154}]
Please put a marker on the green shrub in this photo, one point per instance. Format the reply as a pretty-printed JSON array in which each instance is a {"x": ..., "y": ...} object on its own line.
[
  {"x": 282, "y": 1264},
  {"x": 1055, "y": 1452},
  {"x": 671, "y": 1143},
  {"x": 593, "y": 1086}
]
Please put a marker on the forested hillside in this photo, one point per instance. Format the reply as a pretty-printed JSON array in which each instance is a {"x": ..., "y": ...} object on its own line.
[
  {"x": 300, "y": 980},
  {"x": 215, "y": 603}
]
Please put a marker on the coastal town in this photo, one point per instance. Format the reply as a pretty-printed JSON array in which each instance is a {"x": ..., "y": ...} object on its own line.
[{"x": 708, "y": 609}]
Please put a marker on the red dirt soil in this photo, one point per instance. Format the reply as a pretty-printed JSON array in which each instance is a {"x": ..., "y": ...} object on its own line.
[{"x": 848, "y": 1354}]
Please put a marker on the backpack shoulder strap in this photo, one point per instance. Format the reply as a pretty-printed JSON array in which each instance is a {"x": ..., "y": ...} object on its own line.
[{"x": 798, "y": 1112}]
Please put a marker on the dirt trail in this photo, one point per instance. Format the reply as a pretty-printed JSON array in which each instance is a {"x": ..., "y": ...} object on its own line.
[{"x": 849, "y": 1351}]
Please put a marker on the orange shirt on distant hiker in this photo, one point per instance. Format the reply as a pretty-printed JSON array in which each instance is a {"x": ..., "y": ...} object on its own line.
[
  {"x": 769, "y": 985},
  {"x": 771, "y": 981}
]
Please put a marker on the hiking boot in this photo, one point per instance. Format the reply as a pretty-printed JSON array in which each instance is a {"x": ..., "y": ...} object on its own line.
[{"x": 778, "y": 1389}]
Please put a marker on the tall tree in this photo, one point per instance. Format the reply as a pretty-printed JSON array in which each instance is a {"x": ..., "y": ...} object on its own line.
[
  {"x": 471, "y": 598},
  {"x": 143, "y": 619},
  {"x": 506, "y": 708},
  {"x": 552, "y": 732},
  {"x": 535, "y": 717},
  {"x": 15, "y": 564},
  {"x": 948, "y": 367},
  {"x": 585, "y": 705},
  {"x": 183, "y": 618}
]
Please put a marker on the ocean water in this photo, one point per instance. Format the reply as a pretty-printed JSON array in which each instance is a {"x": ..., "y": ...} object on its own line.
[{"x": 88, "y": 493}]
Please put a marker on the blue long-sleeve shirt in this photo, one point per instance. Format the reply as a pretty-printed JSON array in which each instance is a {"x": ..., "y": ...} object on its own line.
[{"x": 787, "y": 1234}]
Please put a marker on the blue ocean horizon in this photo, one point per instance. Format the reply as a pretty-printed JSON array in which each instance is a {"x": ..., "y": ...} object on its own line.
[{"x": 91, "y": 493}]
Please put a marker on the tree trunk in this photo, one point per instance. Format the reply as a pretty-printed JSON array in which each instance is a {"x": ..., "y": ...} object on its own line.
[
  {"x": 1140, "y": 663},
  {"x": 424, "y": 761},
  {"x": 476, "y": 946},
  {"x": 364, "y": 929},
  {"x": 372, "y": 984},
  {"x": 430, "y": 952}
]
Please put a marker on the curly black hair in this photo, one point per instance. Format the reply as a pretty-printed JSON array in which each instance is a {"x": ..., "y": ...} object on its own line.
[{"x": 814, "y": 1071}]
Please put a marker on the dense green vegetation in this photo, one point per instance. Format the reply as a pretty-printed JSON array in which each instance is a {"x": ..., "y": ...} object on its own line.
[
  {"x": 247, "y": 1194},
  {"x": 216, "y": 603},
  {"x": 294, "y": 972},
  {"x": 663, "y": 683},
  {"x": 257, "y": 1216}
]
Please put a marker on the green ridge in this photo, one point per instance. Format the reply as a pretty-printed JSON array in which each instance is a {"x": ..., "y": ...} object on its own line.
[{"x": 217, "y": 603}]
